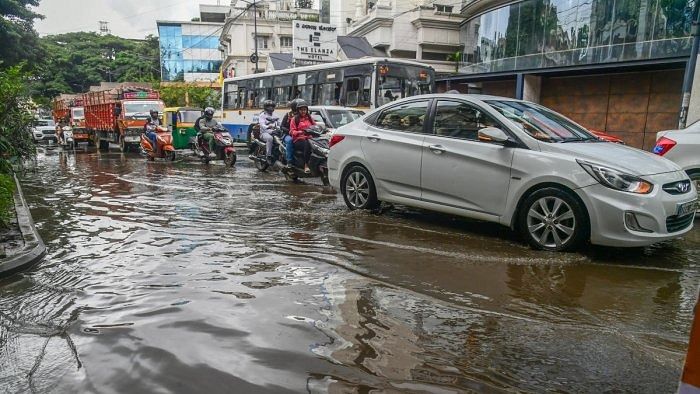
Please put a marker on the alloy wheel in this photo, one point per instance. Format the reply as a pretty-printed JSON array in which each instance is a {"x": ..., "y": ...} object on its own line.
[
  {"x": 551, "y": 222},
  {"x": 357, "y": 189}
]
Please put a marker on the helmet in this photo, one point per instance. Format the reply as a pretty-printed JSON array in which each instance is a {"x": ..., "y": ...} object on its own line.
[
  {"x": 209, "y": 113},
  {"x": 269, "y": 105},
  {"x": 154, "y": 113},
  {"x": 302, "y": 103},
  {"x": 293, "y": 105}
]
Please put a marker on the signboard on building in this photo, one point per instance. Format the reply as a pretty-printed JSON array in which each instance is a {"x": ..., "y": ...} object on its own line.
[{"x": 312, "y": 41}]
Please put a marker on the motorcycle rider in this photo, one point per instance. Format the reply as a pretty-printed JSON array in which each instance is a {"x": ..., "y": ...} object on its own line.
[
  {"x": 288, "y": 140},
  {"x": 267, "y": 121},
  {"x": 150, "y": 128},
  {"x": 205, "y": 125},
  {"x": 298, "y": 126}
]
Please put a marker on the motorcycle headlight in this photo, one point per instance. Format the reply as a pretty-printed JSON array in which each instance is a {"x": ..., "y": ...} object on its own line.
[{"x": 616, "y": 179}]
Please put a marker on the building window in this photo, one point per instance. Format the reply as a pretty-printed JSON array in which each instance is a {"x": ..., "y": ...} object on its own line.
[
  {"x": 262, "y": 42},
  {"x": 285, "y": 42},
  {"x": 443, "y": 8}
]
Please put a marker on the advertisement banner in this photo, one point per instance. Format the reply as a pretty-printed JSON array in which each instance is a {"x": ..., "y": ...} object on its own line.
[{"x": 313, "y": 41}]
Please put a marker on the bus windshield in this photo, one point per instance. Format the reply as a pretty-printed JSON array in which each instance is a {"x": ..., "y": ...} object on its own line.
[{"x": 400, "y": 82}]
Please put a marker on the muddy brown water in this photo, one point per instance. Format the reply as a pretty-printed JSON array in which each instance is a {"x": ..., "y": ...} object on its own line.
[{"x": 190, "y": 278}]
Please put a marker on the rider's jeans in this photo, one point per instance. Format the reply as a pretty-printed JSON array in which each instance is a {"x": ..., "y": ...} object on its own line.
[
  {"x": 289, "y": 146},
  {"x": 209, "y": 138},
  {"x": 269, "y": 141},
  {"x": 152, "y": 136}
]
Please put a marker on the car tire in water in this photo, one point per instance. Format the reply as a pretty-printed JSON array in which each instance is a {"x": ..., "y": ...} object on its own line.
[
  {"x": 552, "y": 219},
  {"x": 358, "y": 190}
]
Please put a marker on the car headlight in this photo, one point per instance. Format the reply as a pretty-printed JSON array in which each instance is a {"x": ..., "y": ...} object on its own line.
[{"x": 616, "y": 179}]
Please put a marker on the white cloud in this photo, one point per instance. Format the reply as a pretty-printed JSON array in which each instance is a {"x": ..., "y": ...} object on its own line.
[{"x": 127, "y": 18}]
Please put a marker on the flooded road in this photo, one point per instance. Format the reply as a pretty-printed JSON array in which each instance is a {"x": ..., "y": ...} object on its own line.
[{"x": 191, "y": 278}]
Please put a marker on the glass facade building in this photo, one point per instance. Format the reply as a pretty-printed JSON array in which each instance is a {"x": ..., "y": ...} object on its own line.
[
  {"x": 187, "y": 52},
  {"x": 536, "y": 34}
]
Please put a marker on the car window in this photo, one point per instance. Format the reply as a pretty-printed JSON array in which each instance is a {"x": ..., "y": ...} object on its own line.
[
  {"x": 408, "y": 117},
  {"x": 461, "y": 120}
]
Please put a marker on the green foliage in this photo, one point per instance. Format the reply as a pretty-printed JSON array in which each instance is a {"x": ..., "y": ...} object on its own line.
[
  {"x": 76, "y": 61},
  {"x": 18, "y": 39},
  {"x": 16, "y": 142},
  {"x": 7, "y": 189},
  {"x": 199, "y": 97},
  {"x": 457, "y": 58}
]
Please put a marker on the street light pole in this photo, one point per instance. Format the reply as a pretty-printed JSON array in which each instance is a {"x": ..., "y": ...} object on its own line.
[{"x": 255, "y": 24}]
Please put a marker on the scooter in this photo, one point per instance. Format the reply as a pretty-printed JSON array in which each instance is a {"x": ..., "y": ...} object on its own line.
[
  {"x": 67, "y": 141},
  {"x": 223, "y": 148},
  {"x": 319, "y": 154},
  {"x": 164, "y": 143}
]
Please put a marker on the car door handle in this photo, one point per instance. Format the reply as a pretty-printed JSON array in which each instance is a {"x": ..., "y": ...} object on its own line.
[
  {"x": 437, "y": 149},
  {"x": 374, "y": 138}
]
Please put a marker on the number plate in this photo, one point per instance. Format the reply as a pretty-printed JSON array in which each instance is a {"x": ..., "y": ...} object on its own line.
[
  {"x": 686, "y": 208},
  {"x": 131, "y": 139}
]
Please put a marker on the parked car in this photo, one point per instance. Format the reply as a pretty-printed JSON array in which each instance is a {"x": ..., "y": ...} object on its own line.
[
  {"x": 514, "y": 163},
  {"x": 683, "y": 148},
  {"x": 606, "y": 137},
  {"x": 44, "y": 130},
  {"x": 334, "y": 117}
]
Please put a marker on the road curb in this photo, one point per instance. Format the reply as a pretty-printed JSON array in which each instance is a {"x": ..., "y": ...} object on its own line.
[{"x": 34, "y": 248}]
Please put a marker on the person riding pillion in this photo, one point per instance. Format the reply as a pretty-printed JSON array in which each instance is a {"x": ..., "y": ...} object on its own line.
[
  {"x": 268, "y": 122},
  {"x": 150, "y": 127},
  {"x": 298, "y": 126},
  {"x": 206, "y": 125},
  {"x": 288, "y": 140}
]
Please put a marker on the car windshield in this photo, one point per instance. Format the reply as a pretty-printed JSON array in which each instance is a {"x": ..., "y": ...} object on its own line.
[
  {"x": 189, "y": 116},
  {"x": 78, "y": 113},
  {"x": 541, "y": 123},
  {"x": 340, "y": 118},
  {"x": 142, "y": 108},
  {"x": 45, "y": 122}
]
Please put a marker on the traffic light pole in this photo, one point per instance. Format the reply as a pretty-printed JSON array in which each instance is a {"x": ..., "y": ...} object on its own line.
[{"x": 255, "y": 24}]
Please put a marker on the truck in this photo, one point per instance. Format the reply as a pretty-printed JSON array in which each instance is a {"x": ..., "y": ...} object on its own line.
[
  {"x": 118, "y": 115},
  {"x": 69, "y": 110}
]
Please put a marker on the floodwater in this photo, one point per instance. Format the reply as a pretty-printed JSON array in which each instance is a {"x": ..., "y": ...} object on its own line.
[{"x": 191, "y": 278}]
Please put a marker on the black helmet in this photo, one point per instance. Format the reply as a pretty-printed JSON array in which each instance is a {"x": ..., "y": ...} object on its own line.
[
  {"x": 302, "y": 103},
  {"x": 154, "y": 113},
  {"x": 269, "y": 104},
  {"x": 209, "y": 113},
  {"x": 293, "y": 105}
]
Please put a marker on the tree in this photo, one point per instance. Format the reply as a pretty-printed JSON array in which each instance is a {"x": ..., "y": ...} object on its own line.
[
  {"x": 16, "y": 142},
  {"x": 189, "y": 94},
  {"x": 76, "y": 61},
  {"x": 17, "y": 35},
  {"x": 457, "y": 58}
]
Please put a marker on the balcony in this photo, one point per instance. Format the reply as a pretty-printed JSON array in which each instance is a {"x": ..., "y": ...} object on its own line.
[{"x": 265, "y": 14}]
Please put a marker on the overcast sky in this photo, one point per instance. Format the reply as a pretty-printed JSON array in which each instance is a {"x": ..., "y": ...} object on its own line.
[{"x": 127, "y": 18}]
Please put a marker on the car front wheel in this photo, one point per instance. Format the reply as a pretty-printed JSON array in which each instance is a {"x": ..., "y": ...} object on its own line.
[
  {"x": 357, "y": 187},
  {"x": 553, "y": 220}
]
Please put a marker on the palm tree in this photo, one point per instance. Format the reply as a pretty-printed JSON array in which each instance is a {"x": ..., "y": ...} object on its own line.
[{"x": 457, "y": 58}]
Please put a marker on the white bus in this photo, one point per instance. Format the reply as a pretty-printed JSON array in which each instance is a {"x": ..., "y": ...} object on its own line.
[{"x": 362, "y": 84}]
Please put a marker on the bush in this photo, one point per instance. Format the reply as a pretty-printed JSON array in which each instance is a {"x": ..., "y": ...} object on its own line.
[
  {"x": 16, "y": 143},
  {"x": 7, "y": 189}
]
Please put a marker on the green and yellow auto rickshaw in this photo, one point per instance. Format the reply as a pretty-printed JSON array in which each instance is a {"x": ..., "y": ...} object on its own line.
[{"x": 181, "y": 121}]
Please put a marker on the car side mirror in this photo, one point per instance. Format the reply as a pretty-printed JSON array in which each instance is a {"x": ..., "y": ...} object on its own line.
[{"x": 494, "y": 134}]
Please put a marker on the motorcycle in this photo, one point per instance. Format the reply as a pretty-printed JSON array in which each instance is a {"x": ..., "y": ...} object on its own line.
[
  {"x": 258, "y": 149},
  {"x": 67, "y": 141},
  {"x": 164, "y": 144},
  {"x": 223, "y": 149},
  {"x": 319, "y": 155}
]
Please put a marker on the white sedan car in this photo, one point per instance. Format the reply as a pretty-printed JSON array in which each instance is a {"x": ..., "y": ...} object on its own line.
[
  {"x": 683, "y": 148},
  {"x": 514, "y": 163}
]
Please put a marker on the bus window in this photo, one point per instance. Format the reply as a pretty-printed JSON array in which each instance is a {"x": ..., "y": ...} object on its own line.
[
  {"x": 329, "y": 93},
  {"x": 389, "y": 90},
  {"x": 352, "y": 92},
  {"x": 306, "y": 92},
  {"x": 399, "y": 82}
]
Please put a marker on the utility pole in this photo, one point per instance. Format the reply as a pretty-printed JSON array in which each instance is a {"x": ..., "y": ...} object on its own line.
[
  {"x": 690, "y": 67},
  {"x": 255, "y": 24}
]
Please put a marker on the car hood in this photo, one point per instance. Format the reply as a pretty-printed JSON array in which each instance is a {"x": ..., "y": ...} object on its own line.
[
  {"x": 631, "y": 160},
  {"x": 42, "y": 128}
]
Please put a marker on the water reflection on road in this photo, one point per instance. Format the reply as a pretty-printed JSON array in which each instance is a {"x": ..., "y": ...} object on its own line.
[{"x": 193, "y": 278}]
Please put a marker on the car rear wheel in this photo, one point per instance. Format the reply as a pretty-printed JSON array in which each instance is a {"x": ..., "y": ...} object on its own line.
[
  {"x": 357, "y": 187},
  {"x": 553, "y": 220}
]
